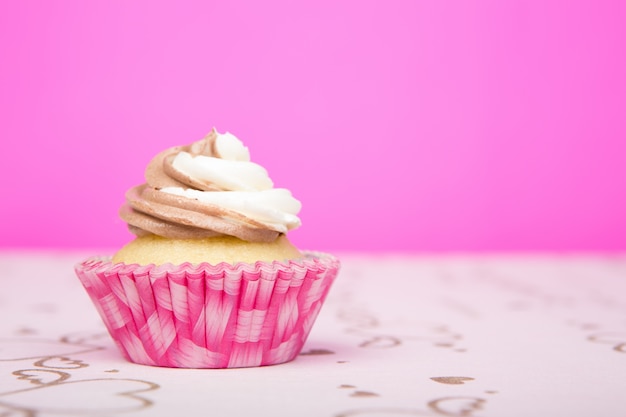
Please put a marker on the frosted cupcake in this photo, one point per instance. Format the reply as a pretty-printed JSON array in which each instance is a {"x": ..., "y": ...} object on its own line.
[{"x": 211, "y": 279}]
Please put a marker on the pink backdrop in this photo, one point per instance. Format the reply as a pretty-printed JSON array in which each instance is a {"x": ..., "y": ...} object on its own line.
[{"x": 401, "y": 125}]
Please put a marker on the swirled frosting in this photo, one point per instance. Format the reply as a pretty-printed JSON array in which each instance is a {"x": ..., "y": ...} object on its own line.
[{"x": 209, "y": 188}]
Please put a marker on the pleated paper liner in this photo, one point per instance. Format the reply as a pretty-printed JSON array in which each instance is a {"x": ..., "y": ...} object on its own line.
[{"x": 209, "y": 316}]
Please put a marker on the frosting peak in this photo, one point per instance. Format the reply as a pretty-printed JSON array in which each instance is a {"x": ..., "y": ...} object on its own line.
[{"x": 209, "y": 188}]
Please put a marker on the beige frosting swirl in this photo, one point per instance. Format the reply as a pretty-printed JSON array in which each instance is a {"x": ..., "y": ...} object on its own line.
[{"x": 209, "y": 188}]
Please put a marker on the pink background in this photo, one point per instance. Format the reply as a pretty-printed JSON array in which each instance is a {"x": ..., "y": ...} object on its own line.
[{"x": 401, "y": 125}]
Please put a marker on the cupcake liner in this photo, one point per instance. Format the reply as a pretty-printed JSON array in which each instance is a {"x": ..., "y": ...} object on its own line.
[{"x": 209, "y": 316}]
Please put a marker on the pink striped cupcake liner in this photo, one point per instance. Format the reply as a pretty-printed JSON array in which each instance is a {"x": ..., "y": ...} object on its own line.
[{"x": 209, "y": 316}]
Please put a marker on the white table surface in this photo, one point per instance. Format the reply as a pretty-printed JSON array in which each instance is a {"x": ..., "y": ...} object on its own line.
[{"x": 446, "y": 335}]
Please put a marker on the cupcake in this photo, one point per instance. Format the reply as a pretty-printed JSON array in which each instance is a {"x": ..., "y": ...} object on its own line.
[{"x": 210, "y": 279}]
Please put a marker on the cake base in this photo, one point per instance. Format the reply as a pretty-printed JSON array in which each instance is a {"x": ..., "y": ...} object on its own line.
[{"x": 151, "y": 249}]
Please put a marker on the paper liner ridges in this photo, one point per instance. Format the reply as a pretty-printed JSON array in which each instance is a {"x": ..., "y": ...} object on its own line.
[{"x": 209, "y": 316}]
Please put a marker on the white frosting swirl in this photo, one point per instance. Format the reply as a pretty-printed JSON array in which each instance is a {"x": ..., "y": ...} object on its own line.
[{"x": 245, "y": 186}]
